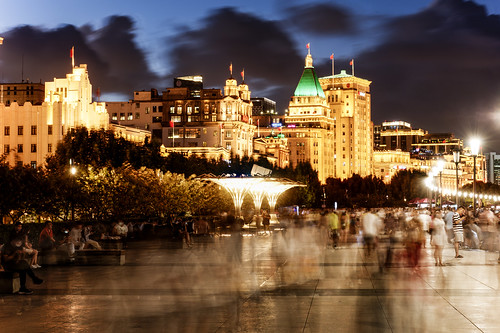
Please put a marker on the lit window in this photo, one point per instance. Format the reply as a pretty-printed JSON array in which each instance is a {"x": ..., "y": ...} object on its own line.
[
  {"x": 172, "y": 109},
  {"x": 33, "y": 164},
  {"x": 147, "y": 109},
  {"x": 122, "y": 116},
  {"x": 114, "y": 116},
  {"x": 130, "y": 116}
]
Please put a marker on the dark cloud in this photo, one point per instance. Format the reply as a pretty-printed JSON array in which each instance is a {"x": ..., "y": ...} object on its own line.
[
  {"x": 321, "y": 18},
  {"x": 439, "y": 69},
  {"x": 115, "y": 63},
  {"x": 128, "y": 68},
  {"x": 261, "y": 47}
]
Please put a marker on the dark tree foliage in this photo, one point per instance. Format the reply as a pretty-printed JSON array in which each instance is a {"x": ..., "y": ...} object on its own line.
[
  {"x": 407, "y": 185},
  {"x": 356, "y": 191}
]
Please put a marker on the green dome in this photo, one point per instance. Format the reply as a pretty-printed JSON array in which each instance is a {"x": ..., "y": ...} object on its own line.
[{"x": 309, "y": 84}]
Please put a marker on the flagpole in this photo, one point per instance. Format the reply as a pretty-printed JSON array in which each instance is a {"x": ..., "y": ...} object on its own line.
[
  {"x": 352, "y": 64},
  {"x": 333, "y": 71},
  {"x": 173, "y": 135},
  {"x": 73, "y": 57}
]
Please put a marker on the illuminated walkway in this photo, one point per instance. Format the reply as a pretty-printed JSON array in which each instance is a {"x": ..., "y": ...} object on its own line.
[{"x": 260, "y": 284}]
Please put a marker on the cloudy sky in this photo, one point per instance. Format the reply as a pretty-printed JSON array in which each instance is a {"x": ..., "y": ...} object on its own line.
[{"x": 435, "y": 64}]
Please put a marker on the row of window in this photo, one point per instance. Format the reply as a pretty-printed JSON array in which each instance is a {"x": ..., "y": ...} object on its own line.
[
  {"x": 20, "y": 130},
  {"x": 20, "y": 148}
]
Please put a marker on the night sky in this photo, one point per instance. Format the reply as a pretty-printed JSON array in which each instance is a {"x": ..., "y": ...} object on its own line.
[{"x": 435, "y": 64}]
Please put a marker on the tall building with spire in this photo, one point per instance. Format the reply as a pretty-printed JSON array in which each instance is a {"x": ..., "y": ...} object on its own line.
[{"x": 329, "y": 124}]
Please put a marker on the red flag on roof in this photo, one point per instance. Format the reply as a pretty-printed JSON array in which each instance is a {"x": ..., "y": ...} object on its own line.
[
  {"x": 308, "y": 45},
  {"x": 351, "y": 62},
  {"x": 171, "y": 123},
  {"x": 331, "y": 57}
]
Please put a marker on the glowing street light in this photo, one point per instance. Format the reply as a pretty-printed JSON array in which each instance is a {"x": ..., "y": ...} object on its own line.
[
  {"x": 475, "y": 143},
  {"x": 456, "y": 159}
]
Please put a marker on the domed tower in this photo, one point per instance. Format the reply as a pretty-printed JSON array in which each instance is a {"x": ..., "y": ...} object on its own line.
[
  {"x": 243, "y": 88},
  {"x": 231, "y": 87}
]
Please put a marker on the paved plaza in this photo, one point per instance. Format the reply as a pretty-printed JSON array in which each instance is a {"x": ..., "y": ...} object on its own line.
[{"x": 284, "y": 282}]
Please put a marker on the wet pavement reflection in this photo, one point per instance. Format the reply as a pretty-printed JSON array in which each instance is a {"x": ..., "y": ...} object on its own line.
[{"x": 286, "y": 281}]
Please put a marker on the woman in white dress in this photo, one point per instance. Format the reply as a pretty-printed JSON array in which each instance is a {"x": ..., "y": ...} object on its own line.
[{"x": 438, "y": 238}]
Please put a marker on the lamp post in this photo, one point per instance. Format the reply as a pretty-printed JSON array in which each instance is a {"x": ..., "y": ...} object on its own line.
[
  {"x": 475, "y": 143},
  {"x": 456, "y": 159},
  {"x": 440, "y": 167},
  {"x": 72, "y": 171}
]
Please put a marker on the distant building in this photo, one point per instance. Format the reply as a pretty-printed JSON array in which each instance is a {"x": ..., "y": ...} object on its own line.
[
  {"x": 393, "y": 135},
  {"x": 144, "y": 111},
  {"x": 21, "y": 93},
  {"x": 493, "y": 167},
  {"x": 386, "y": 163},
  {"x": 438, "y": 144},
  {"x": 263, "y": 106}
]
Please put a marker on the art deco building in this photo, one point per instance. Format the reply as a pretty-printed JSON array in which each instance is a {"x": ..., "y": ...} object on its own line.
[
  {"x": 349, "y": 101},
  {"x": 208, "y": 121},
  {"x": 30, "y": 133}
]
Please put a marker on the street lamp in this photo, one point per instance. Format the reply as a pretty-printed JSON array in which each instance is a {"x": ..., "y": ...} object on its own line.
[
  {"x": 72, "y": 171},
  {"x": 475, "y": 143},
  {"x": 456, "y": 159},
  {"x": 440, "y": 167}
]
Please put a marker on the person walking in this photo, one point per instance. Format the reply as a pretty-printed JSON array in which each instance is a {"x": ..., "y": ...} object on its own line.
[
  {"x": 438, "y": 238},
  {"x": 458, "y": 229}
]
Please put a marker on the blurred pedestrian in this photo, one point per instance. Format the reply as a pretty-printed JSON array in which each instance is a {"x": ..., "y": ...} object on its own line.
[{"x": 438, "y": 238}]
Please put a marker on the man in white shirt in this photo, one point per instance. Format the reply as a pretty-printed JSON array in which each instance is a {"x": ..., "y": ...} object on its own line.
[{"x": 371, "y": 224}]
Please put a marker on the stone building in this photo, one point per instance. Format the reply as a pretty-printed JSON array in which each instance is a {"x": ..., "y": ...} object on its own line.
[{"x": 210, "y": 121}]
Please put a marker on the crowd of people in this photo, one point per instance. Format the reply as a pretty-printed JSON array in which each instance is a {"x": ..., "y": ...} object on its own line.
[
  {"x": 396, "y": 235},
  {"x": 412, "y": 229}
]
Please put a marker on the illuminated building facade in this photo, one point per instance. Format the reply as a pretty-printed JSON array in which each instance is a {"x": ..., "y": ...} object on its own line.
[
  {"x": 328, "y": 124},
  {"x": 386, "y": 163},
  {"x": 349, "y": 100},
  {"x": 493, "y": 167},
  {"x": 21, "y": 93},
  {"x": 439, "y": 143},
  {"x": 144, "y": 111},
  {"x": 208, "y": 120},
  {"x": 394, "y": 135},
  {"x": 30, "y": 133}
]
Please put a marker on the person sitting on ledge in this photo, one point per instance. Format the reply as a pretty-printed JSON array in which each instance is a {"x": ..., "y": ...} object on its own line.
[
  {"x": 47, "y": 240},
  {"x": 86, "y": 233},
  {"x": 12, "y": 261}
]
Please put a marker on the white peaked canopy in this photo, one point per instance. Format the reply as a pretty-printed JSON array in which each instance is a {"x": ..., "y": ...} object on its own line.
[{"x": 257, "y": 187}]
